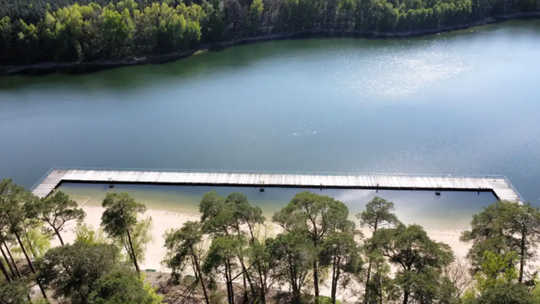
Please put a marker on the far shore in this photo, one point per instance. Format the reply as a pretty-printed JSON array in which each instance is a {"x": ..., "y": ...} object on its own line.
[{"x": 99, "y": 65}]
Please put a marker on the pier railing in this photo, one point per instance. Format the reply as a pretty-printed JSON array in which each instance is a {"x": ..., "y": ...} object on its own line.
[
  {"x": 43, "y": 178},
  {"x": 420, "y": 175},
  {"x": 318, "y": 173},
  {"x": 507, "y": 181}
]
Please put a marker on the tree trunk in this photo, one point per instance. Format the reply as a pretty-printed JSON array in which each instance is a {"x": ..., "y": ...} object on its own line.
[
  {"x": 58, "y": 235},
  {"x": 316, "y": 280},
  {"x": 199, "y": 274},
  {"x": 4, "y": 270},
  {"x": 30, "y": 264},
  {"x": 380, "y": 290},
  {"x": 25, "y": 253},
  {"x": 245, "y": 284},
  {"x": 258, "y": 263},
  {"x": 227, "y": 284},
  {"x": 366, "y": 289},
  {"x": 246, "y": 276},
  {"x": 13, "y": 260},
  {"x": 296, "y": 294},
  {"x": 261, "y": 282},
  {"x": 133, "y": 255},
  {"x": 334, "y": 282},
  {"x": 406, "y": 297},
  {"x": 522, "y": 257},
  {"x": 8, "y": 261},
  {"x": 228, "y": 275}
]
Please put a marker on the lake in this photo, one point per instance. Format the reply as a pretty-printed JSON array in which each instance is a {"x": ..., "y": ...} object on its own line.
[{"x": 465, "y": 102}]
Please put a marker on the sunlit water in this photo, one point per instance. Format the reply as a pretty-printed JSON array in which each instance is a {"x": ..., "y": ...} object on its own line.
[{"x": 458, "y": 103}]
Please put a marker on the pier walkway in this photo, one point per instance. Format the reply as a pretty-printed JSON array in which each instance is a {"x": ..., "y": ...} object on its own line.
[{"x": 499, "y": 185}]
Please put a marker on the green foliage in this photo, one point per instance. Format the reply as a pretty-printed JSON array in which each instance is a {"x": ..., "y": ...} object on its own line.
[
  {"x": 294, "y": 254},
  {"x": 379, "y": 213},
  {"x": 181, "y": 245},
  {"x": 36, "y": 241},
  {"x": 326, "y": 300},
  {"x": 496, "y": 270},
  {"x": 15, "y": 292},
  {"x": 122, "y": 286},
  {"x": 87, "y": 235},
  {"x": 318, "y": 244},
  {"x": 255, "y": 14},
  {"x": 120, "y": 213},
  {"x": 141, "y": 236},
  {"x": 504, "y": 227},
  {"x": 497, "y": 282},
  {"x": 119, "y": 221},
  {"x": 72, "y": 270},
  {"x": 151, "y": 291},
  {"x": 507, "y": 293},
  {"x": 315, "y": 217},
  {"x": 62, "y": 30},
  {"x": 57, "y": 209},
  {"x": 420, "y": 260},
  {"x": 182, "y": 251}
]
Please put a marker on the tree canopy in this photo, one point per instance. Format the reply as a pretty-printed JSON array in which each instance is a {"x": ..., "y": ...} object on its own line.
[
  {"x": 232, "y": 254},
  {"x": 72, "y": 270},
  {"x": 74, "y": 31},
  {"x": 119, "y": 220}
]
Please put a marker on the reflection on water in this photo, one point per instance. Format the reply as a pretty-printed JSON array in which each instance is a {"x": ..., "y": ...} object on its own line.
[{"x": 451, "y": 210}]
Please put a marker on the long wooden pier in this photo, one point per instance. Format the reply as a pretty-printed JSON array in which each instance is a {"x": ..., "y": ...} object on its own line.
[{"x": 499, "y": 185}]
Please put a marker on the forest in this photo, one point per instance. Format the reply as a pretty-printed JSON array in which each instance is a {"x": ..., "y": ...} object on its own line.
[
  {"x": 317, "y": 253},
  {"x": 34, "y": 31}
]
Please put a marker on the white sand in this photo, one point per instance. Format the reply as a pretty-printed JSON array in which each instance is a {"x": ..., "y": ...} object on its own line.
[
  {"x": 164, "y": 220},
  {"x": 161, "y": 222}
]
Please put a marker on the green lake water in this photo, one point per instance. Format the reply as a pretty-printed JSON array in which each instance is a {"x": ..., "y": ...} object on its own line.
[{"x": 465, "y": 102}]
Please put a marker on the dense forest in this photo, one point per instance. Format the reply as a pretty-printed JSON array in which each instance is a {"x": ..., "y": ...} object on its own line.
[
  {"x": 315, "y": 253},
  {"x": 64, "y": 31}
]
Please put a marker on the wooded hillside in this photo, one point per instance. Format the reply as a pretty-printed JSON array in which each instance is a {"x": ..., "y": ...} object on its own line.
[{"x": 32, "y": 31}]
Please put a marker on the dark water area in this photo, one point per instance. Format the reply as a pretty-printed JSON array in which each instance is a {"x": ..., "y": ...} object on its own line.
[
  {"x": 449, "y": 211},
  {"x": 465, "y": 102}
]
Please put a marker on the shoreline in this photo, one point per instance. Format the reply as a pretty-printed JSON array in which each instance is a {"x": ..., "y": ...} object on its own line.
[{"x": 99, "y": 65}]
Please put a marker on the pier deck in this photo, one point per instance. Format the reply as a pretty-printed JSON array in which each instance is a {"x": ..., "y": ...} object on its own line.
[{"x": 499, "y": 185}]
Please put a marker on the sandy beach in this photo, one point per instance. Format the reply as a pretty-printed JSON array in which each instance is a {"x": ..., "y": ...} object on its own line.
[{"x": 163, "y": 220}]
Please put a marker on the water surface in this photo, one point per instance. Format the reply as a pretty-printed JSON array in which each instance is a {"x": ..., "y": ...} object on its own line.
[{"x": 456, "y": 103}]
